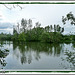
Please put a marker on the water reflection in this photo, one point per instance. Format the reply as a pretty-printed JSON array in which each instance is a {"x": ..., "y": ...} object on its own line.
[
  {"x": 73, "y": 44},
  {"x": 29, "y": 51},
  {"x": 3, "y": 54},
  {"x": 69, "y": 59},
  {"x": 25, "y": 55}
]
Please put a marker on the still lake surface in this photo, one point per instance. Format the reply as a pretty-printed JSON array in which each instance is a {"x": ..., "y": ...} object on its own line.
[{"x": 38, "y": 56}]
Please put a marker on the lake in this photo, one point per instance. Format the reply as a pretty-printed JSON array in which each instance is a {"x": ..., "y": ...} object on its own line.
[{"x": 38, "y": 56}]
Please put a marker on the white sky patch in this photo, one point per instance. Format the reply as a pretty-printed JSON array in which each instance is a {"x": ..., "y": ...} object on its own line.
[
  {"x": 1, "y": 13},
  {"x": 46, "y": 14},
  {"x": 1, "y": 16}
]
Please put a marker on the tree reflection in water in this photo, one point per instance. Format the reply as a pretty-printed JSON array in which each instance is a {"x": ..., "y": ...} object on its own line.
[
  {"x": 3, "y": 54},
  {"x": 73, "y": 44},
  {"x": 70, "y": 58},
  {"x": 29, "y": 51}
]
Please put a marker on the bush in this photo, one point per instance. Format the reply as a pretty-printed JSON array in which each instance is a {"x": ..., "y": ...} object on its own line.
[
  {"x": 73, "y": 38},
  {"x": 57, "y": 37},
  {"x": 21, "y": 37},
  {"x": 45, "y": 37},
  {"x": 15, "y": 37},
  {"x": 51, "y": 37},
  {"x": 67, "y": 38}
]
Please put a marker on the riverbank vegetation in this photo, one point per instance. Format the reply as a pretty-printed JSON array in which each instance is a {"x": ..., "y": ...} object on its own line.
[{"x": 26, "y": 32}]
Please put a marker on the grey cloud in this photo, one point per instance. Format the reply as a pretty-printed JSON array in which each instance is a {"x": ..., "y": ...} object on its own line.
[{"x": 5, "y": 25}]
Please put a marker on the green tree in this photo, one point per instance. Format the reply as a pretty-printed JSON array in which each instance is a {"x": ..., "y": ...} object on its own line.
[
  {"x": 51, "y": 28},
  {"x": 24, "y": 24},
  {"x": 69, "y": 17},
  {"x": 62, "y": 30},
  {"x": 14, "y": 30},
  {"x": 21, "y": 37},
  {"x": 37, "y": 24},
  {"x": 47, "y": 28},
  {"x": 73, "y": 37},
  {"x": 55, "y": 28},
  {"x": 45, "y": 37},
  {"x": 15, "y": 37},
  {"x": 58, "y": 28},
  {"x": 30, "y": 24}
]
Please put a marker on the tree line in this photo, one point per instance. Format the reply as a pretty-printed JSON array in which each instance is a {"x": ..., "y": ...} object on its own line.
[{"x": 25, "y": 32}]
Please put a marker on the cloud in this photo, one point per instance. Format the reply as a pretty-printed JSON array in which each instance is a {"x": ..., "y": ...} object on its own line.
[{"x": 5, "y": 25}]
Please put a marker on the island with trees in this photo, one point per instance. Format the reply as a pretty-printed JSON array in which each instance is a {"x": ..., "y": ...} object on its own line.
[{"x": 24, "y": 32}]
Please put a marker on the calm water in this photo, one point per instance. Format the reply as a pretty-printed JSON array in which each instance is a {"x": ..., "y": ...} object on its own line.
[{"x": 38, "y": 56}]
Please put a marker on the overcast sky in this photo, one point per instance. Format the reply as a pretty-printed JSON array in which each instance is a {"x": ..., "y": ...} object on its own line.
[{"x": 46, "y": 14}]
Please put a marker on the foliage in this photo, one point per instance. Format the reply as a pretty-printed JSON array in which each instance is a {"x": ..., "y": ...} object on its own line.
[
  {"x": 24, "y": 24},
  {"x": 57, "y": 37},
  {"x": 69, "y": 17},
  {"x": 73, "y": 38},
  {"x": 45, "y": 37},
  {"x": 15, "y": 37},
  {"x": 21, "y": 37},
  {"x": 70, "y": 58},
  {"x": 3, "y": 54},
  {"x": 51, "y": 37},
  {"x": 67, "y": 38},
  {"x": 5, "y": 36}
]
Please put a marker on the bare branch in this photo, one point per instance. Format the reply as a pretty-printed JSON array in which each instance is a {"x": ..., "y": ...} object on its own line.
[
  {"x": 19, "y": 6},
  {"x": 13, "y": 6},
  {"x": 7, "y": 7}
]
